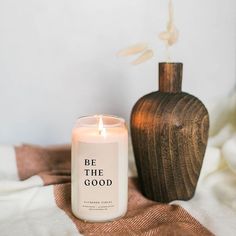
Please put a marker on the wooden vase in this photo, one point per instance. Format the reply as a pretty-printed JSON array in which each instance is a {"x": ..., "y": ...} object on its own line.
[{"x": 169, "y": 130}]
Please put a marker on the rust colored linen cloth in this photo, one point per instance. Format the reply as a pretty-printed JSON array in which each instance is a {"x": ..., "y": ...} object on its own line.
[{"x": 144, "y": 217}]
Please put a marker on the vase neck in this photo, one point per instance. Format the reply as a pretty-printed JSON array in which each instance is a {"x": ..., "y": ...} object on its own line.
[{"x": 170, "y": 77}]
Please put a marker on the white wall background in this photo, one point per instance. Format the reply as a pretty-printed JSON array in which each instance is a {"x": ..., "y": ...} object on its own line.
[{"x": 58, "y": 59}]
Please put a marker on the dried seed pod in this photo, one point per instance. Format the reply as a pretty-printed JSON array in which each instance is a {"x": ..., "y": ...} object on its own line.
[
  {"x": 174, "y": 35},
  {"x": 134, "y": 49},
  {"x": 164, "y": 36},
  {"x": 148, "y": 54}
]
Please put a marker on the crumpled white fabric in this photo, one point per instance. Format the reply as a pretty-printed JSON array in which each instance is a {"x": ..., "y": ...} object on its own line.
[{"x": 223, "y": 139}]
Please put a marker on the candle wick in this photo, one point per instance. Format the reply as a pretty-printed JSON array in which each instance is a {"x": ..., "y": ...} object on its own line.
[{"x": 102, "y": 132}]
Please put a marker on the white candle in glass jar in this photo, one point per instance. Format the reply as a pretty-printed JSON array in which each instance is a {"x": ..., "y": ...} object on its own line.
[{"x": 99, "y": 168}]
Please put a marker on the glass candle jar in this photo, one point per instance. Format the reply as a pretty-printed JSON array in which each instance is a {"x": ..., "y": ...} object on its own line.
[{"x": 99, "y": 168}]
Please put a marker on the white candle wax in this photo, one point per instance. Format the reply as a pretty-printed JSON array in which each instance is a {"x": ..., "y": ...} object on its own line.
[{"x": 99, "y": 168}]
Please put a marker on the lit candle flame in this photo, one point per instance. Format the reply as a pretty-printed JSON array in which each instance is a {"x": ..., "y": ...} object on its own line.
[{"x": 101, "y": 129}]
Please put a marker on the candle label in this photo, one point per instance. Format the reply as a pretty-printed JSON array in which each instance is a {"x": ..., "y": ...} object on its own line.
[{"x": 98, "y": 177}]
